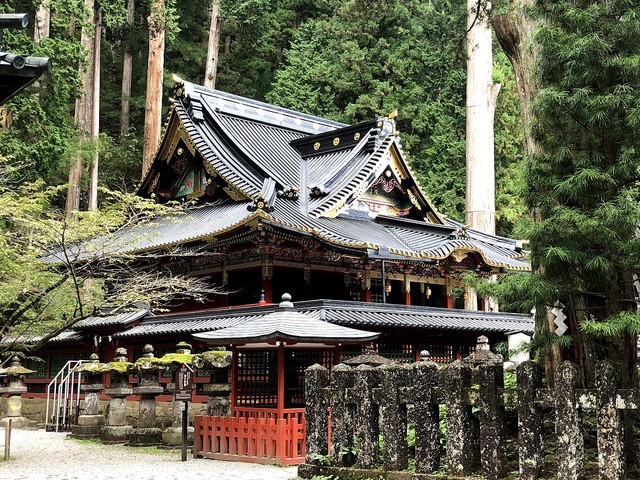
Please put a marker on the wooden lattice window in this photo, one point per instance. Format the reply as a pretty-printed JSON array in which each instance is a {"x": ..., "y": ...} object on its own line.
[
  {"x": 439, "y": 353},
  {"x": 350, "y": 351},
  {"x": 355, "y": 289},
  {"x": 39, "y": 367},
  {"x": 257, "y": 379},
  {"x": 466, "y": 350},
  {"x": 57, "y": 362},
  {"x": 295, "y": 363},
  {"x": 376, "y": 290},
  {"x": 399, "y": 352}
]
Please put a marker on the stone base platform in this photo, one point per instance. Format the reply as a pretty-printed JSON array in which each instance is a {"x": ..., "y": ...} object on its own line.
[
  {"x": 19, "y": 422},
  {"x": 89, "y": 426},
  {"x": 115, "y": 434},
  {"x": 172, "y": 436},
  {"x": 145, "y": 437}
]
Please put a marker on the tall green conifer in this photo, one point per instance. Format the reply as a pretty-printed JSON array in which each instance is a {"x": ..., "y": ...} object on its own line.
[{"x": 584, "y": 185}]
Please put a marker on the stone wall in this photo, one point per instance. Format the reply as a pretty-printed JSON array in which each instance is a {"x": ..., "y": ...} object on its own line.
[
  {"x": 488, "y": 429},
  {"x": 35, "y": 409}
]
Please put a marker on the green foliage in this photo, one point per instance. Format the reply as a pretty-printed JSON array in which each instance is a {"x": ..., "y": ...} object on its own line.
[
  {"x": 584, "y": 183},
  {"x": 360, "y": 63}
]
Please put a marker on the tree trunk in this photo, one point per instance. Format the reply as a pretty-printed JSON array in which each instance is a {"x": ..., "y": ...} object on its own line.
[
  {"x": 42, "y": 23},
  {"x": 152, "y": 122},
  {"x": 514, "y": 31},
  {"x": 482, "y": 95},
  {"x": 127, "y": 69},
  {"x": 83, "y": 111},
  {"x": 213, "y": 46},
  {"x": 95, "y": 110}
]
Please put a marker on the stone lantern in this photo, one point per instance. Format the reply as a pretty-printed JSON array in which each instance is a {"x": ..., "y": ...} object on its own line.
[
  {"x": 148, "y": 388},
  {"x": 15, "y": 374},
  {"x": 116, "y": 430},
  {"x": 91, "y": 421},
  {"x": 217, "y": 363},
  {"x": 172, "y": 436},
  {"x": 483, "y": 353}
]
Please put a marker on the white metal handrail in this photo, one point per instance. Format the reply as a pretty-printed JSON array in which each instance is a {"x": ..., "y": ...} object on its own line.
[{"x": 66, "y": 388}]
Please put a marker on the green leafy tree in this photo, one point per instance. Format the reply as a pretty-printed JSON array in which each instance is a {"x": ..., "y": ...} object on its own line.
[
  {"x": 583, "y": 185},
  {"x": 55, "y": 271}
]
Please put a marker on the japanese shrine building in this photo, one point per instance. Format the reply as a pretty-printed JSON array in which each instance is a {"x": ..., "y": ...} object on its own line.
[{"x": 329, "y": 213}]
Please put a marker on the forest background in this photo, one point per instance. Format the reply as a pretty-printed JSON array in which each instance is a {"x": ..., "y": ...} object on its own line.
[{"x": 348, "y": 61}]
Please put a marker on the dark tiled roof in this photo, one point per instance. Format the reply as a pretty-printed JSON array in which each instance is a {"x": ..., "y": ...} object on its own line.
[
  {"x": 286, "y": 323},
  {"x": 119, "y": 319},
  {"x": 68, "y": 336},
  {"x": 256, "y": 146},
  {"x": 369, "y": 316}
]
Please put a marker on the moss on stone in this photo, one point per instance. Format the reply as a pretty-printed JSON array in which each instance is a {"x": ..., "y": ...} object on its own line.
[
  {"x": 213, "y": 358},
  {"x": 117, "y": 367}
]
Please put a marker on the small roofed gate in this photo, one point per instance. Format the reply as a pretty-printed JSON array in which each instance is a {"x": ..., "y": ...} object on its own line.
[{"x": 267, "y": 422}]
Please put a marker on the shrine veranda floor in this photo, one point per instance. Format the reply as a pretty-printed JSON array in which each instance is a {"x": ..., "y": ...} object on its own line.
[{"x": 40, "y": 455}]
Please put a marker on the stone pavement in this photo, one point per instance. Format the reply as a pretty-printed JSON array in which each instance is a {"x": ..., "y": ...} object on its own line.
[{"x": 40, "y": 455}]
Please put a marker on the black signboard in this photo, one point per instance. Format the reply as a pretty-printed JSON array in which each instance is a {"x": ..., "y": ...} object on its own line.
[{"x": 183, "y": 381}]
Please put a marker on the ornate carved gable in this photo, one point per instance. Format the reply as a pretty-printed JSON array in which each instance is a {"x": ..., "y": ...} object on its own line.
[{"x": 180, "y": 172}]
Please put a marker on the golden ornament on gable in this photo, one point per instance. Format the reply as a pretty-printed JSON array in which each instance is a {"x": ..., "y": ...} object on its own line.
[{"x": 336, "y": 141}]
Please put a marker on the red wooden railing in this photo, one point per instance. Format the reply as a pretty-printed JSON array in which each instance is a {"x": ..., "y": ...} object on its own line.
[{"x": 251, "y": 437}]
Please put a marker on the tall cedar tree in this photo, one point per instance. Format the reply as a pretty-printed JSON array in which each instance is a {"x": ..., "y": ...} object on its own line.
[
  {"x": 585, "y": 181},
  {"x": 362, "y": 62}
]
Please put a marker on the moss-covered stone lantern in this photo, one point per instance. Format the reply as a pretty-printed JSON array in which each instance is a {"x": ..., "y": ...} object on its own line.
[
  {"x": 216, "y": 362},
  {"x": 116, "y": 430},
  {"x": 172, "y": 435},
  {"x": 146, "y": 368},
  {"x": 15, "y": 373},
  {"x": 91, "y": 421}
]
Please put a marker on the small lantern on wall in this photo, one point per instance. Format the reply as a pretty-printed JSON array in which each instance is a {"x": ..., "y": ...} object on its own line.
[
  {"x": 427, "y": 291},
  {"x": 387, "y": 287}
]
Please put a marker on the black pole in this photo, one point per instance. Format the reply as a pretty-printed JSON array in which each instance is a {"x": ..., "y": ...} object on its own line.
[
  {"x": 185, "y": 423},
  {"x": 384, "y": 284}
]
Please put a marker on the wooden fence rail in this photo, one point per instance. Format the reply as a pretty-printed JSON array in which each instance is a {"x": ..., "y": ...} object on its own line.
[{"x": 251, "y": 439}]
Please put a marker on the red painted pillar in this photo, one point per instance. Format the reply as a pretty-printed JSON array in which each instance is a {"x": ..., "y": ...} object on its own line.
[
  {"x": 267, "y": 286},
  {"x": 407, "y": 298},
  {"x": 281, "y": 380},
  {"x": 448, "y": 301},
  {"x": 366, "y": 295}
]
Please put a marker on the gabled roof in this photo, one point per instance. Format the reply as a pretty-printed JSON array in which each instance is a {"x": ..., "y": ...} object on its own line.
[
  {"x": 286, "y": 323},
  {"x": 260, "y": 150}
]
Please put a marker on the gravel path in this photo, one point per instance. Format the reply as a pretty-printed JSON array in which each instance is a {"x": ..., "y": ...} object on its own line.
[{"x": 38, "y": 455}]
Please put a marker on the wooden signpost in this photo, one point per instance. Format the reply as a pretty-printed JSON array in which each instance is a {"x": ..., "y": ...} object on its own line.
[{"x": 183, "y": 381}]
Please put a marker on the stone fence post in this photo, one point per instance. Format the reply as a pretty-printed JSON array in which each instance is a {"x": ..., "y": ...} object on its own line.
[
  {"x": 493, "y": 458},
  {"x": 341, "y": 416},
  {"x": 531, "y": 448},
  {"x": 393, "y": 416},
  {"x": 426, "y": 414},
  {"x": 570, "y": 450},
  {"x": 316, "y": 382},
  {"x": 367, "y": 416},
  {"x": 462, "y": 427},
  {"x": 611, "y": 457}
]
